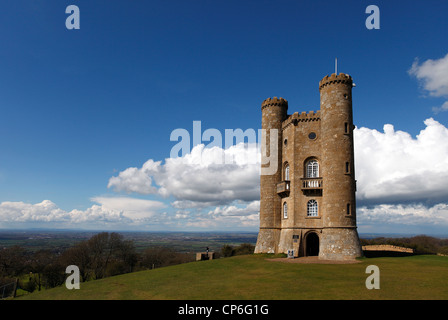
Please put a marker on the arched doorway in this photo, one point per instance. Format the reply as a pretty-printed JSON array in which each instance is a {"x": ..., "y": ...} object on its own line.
[{"x": 312, "y": 244}]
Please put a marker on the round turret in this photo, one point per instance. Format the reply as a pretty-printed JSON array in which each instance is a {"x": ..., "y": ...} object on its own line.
[
  {"x": 274, "y": 112},
  {"x": 338, "y": 169}
]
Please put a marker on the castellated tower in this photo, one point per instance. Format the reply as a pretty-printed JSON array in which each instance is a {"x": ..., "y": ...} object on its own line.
[
  {"x": 308, "y": 206},
  {"x": 274, "y": 113}
]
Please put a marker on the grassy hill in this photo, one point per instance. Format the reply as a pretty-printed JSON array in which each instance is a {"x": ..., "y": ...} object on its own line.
[{"x": 255, "y": 277}]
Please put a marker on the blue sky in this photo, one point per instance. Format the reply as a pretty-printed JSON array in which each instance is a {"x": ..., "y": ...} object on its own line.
[{"x": 80, "y": 107}]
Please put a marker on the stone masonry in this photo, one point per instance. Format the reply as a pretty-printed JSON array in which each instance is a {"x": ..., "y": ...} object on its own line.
[{"x": 308, "y": 206}]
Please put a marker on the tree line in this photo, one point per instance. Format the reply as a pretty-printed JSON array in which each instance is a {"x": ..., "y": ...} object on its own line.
[
  {"x": 103, "y": 255},
  {"x": 421, "y": 244}
]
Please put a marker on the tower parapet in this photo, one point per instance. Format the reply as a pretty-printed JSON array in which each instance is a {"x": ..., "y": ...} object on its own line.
[
  {"x": 341, "y": 78},
  {"x": 274, "y": 102},
  {"x": 301, "y": 117}
]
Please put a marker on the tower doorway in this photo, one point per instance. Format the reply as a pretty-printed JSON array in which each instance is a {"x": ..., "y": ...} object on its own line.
[{"x": 312, "y": 244}]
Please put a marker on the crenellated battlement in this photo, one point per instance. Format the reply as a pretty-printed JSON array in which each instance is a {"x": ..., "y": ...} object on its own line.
[
  {"x": 302, "y": 117},
  {"x": 306, "y": 116},
  {"x": 341, "y": 78},
  {"x": 274, "y": 102}
]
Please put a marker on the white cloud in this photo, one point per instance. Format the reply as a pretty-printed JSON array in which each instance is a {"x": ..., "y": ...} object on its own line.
[
  {"x": 111, "y": 211},
  {"x": 96, "y": 215},
  {"x": 443, "y": 107},
  {"x": 416, "y": 218},
  {"x": 45, "y": 211},
  {"x": 392, "y": 166},
  {"x": 136, "y": 180},
  {"x": 203, "y": 176},
  {"x": 252, "y": 208},
  {"x": 232, "y": 217},
  {"x": 433, "y": 75},
  {"x": 134, "y": 209},
  {"x": 188, "y": 204}
]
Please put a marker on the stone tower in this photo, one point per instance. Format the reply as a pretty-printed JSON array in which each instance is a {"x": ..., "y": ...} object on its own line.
[{"x": 308, "y": 205}]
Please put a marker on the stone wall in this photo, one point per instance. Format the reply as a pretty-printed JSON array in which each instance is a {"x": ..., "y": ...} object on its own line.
[
  {"x": 387, "y": 247},
  {"x": 205, "y": 256},
  {"x": 325, "y": 135}
]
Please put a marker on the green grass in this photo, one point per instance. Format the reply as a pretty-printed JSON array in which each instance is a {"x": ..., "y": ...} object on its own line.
[{"x": 253, "y": 277}]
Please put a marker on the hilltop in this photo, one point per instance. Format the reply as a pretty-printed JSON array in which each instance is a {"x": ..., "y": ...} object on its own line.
[{"x": 256, "y": 277}]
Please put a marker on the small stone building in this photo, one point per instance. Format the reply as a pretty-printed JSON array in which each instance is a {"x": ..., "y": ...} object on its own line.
[
  {"x": 308, "y": 206},
  {"x": 205, "y": 256}
]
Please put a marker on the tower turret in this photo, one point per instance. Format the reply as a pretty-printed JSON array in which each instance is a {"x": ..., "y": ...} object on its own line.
[
  {"x": 274, "y": 112},
  {"x": 340, "y": 238}
]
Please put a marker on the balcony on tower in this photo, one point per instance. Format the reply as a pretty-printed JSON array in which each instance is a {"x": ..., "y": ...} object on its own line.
[
  {"x": 283, "y": 188},
  {"x": 312, "y": 185}
]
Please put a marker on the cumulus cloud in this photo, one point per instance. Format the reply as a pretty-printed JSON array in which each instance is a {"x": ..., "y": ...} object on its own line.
[
  {"x": 400, "y": 178},
  {"x": 136, "y": 180},
  {"x": 250, "y": 209},
  {"x": 443, "y": 107},
  {"x": 413, "y": 214},
  {"x": 202, "y": 177},
  {"x": 433, "y": 75},
  {"x": 416, "y": 218},
  {"x": 110, "y": 211},
  {"x": 238, "y": 215},
  {"x": 134, "y": 209},
  {"x": 45, "y": 211},
  {"x": 392, "y": 166}
]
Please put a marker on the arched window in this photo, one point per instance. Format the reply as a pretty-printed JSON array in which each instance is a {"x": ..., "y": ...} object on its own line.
[
  {"x": 312, "y": 169},
  {"x": 312, "y": 208},
  {"x": 285, "y": 210},
  {"x": 287, "y": 172}
]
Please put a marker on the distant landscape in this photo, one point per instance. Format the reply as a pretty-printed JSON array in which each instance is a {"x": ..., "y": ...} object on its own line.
[
  {"x": 60, "y": 240},
  {"x": 263, "y": 277},
  {"x": 35, "y": 260}
]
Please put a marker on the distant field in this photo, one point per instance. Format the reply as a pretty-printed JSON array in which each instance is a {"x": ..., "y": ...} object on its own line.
[
  {"x": 179, "y": 241},
  {"x": 254, "y": 277}
]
